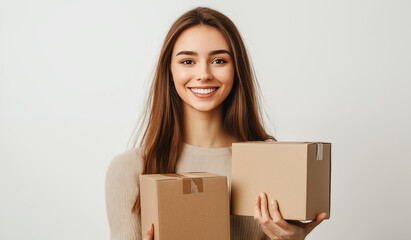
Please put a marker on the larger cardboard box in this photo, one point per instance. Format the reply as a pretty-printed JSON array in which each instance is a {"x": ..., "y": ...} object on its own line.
[
  {"x": 296, "y": 174},
  {"x": 185, "y": 206}
]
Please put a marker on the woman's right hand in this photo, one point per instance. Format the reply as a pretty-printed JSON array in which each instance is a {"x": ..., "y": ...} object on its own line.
[
  {"x": 150, "y": 232},
  {"x": 276, "y": 227}
]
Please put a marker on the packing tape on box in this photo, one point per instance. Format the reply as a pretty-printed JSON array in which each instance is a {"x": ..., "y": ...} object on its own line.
[
  {"x": 320, "y": 150},
  {"x": 190, "y": 185}
]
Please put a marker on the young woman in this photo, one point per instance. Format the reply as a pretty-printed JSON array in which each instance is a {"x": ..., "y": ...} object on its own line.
[{"x": 202, "y": 100}]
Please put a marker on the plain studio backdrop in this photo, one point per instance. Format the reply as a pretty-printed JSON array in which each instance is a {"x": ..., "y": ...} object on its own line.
[{"x": 74, "y": 76}]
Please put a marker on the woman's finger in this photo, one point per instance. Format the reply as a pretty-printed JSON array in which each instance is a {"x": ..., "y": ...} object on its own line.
[
  {"x": 276, "y": 215},
  {"x": 264, "y": 207},
  {"x": 310, "y": 226},
  {"x": 257, "y": 210},
  {"x": 150, "y": 232}
]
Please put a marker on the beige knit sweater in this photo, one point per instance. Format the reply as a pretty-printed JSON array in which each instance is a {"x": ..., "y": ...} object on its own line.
[{"x": 122, "y": 187}]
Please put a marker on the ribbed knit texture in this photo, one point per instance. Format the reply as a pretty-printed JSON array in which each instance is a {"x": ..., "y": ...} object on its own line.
[{"x": 122, "y": 187}]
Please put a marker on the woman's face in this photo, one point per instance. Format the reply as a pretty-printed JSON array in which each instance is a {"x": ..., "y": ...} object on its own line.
[{"x": 202, "y": 68}]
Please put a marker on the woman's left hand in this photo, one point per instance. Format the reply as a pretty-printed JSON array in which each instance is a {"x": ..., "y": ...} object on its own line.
[{"x": 276, "y": 227}]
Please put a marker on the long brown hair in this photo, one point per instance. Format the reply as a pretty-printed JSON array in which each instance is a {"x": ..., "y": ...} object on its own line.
[{"x": 162, "y": 140}]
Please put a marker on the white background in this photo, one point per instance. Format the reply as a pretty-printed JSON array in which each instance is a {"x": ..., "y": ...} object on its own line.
[{"x": 74, "y": 75}]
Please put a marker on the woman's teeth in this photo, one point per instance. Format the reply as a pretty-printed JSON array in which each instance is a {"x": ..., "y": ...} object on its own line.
[{"x": 202, "y": 90}]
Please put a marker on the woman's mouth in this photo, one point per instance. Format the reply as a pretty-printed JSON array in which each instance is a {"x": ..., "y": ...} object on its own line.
[{"x": 204, "y": 92}]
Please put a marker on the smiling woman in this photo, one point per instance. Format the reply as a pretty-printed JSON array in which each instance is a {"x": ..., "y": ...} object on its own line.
[
  {"x": 202, "y": 100},
  {"x": 203, "y": 76}
]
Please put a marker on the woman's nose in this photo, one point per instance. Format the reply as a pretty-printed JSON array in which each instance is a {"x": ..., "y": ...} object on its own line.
[{"x": 204, "y": 72}]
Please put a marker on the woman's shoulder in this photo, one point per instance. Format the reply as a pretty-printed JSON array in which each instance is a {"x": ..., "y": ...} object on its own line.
[{"x": 129, "y": 161}]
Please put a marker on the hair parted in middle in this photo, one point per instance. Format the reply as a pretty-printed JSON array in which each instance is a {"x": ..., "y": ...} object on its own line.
[{"x": 162, "y": 140}]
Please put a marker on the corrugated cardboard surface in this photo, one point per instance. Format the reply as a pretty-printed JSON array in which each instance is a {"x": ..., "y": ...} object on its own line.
[
  {"x": 286, "y": 171},
  {"x": 185, "y": 206}
]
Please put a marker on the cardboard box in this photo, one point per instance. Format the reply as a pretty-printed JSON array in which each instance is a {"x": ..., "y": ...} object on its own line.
[
  {"x": 185, "y": 206},
  {"x": 296, "y": 174}
]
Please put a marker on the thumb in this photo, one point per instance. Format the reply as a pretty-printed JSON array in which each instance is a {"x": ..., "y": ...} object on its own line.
[
  {"x": 310, "y": 226},
  {"x": 150, "y": 232}
]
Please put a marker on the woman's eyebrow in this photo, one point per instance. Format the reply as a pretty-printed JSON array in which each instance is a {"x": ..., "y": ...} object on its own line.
[{"x": 196, "y": 54}]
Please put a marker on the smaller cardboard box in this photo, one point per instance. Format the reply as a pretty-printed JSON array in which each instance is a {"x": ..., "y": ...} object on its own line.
[
  {"x": 185, "y": 206},
  {"x": 296, "y": 174}
]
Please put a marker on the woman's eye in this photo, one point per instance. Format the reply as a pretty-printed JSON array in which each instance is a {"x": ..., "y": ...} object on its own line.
[
  {"x": 190, "y": 62},
  {"x": 186, "y": 62},
  {"x": 220, "y": 61}
]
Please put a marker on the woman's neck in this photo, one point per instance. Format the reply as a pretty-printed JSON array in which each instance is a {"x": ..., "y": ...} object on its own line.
[{"x": 205, "y": 129}]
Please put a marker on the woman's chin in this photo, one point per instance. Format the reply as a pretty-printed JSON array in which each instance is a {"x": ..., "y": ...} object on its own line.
[{"x": 203, "y": 108}]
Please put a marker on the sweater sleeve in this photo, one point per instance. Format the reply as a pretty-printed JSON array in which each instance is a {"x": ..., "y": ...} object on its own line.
[{"x": 121, "y": 190}]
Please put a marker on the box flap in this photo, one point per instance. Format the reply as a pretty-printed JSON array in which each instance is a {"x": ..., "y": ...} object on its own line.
[{"x": 176, "y": 176}]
